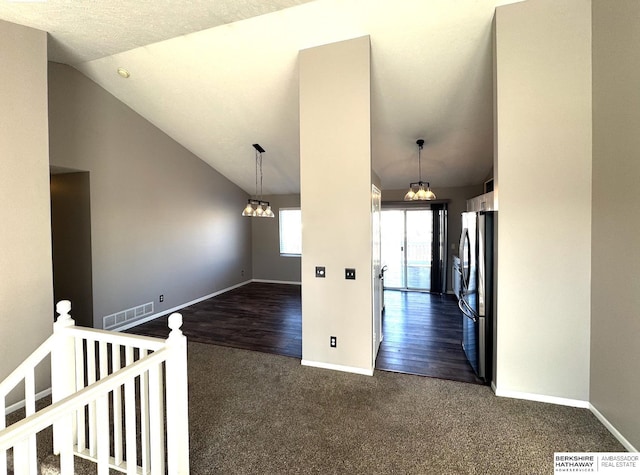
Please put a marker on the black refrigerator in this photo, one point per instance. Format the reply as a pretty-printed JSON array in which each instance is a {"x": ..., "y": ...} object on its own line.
[{"x": 477, "y": 265}]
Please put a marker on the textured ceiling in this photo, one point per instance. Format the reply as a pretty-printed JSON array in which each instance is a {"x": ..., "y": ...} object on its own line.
[
  {"x": 82, "y": 30},
  {"x": 220, "y": 76}
]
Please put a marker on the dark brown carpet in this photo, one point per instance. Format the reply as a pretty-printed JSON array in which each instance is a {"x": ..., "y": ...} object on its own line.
[{"x": 256, "y": 413}]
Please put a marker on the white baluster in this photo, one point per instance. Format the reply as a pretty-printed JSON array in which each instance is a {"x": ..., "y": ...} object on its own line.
[
  {"x": 81, "y": 438},
  {"x": 102, "y": 413},
  {"x": 177, "y": 399},
  {"x": 3, "y": 424},
  {"x": 66, "y": 431},
  {"x": 23, "y": 459},
  {"x": 63, "y": 370},
  {"x": 130, "y": 418},
  {"x": 156, "y": 419},
  {"x": 91, "y": 378},
  {"x": 117, "y": 408},
  {"x": 30, "y": 408},
  {"x": 144, "y": 416},
  {"x": 102, "y": 408}
]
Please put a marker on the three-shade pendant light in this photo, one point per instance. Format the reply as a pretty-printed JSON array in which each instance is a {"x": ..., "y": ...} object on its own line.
[
  {"x": 417, "y": 190},
  {"x": 257, "y": 207}
]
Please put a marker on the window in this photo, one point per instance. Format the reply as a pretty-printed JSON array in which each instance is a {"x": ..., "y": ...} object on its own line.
[{"x": 290, "y": 232}]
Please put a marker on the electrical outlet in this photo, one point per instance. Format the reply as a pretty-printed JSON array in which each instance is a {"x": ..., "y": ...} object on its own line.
[
  {"x": 320, "y": 272},
  {"x": 333, "y": 341},
  {"x": 161, "y": 298},
  {"x": 350, "y": 274},
  {"x": 242, "y": 273}
]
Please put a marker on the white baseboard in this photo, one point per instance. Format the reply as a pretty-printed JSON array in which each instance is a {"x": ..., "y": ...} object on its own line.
[
  {"x": 605, "y": 422},
  {"x": 179, "y": 307},
  {"x": 21, "y": 404},
  {"x": 337, "y": 367},
  {"x": 268, "y": 281},
  {"x": 568, "y": 402},
  {"x": 540, "y": 398}
]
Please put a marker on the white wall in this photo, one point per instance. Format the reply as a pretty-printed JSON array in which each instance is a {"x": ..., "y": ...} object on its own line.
[
  {"x": 615, "y": 287},
  {"x": 335, "y": 173},
  {"x": 543, "y": 109},
  {"x": 26, "y": 285}
]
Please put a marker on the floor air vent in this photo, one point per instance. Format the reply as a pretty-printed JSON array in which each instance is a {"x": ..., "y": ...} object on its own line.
[{"x": 126, "y": 316}]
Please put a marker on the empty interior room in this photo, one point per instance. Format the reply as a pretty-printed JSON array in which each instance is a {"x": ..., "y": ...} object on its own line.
[{"x": 399, "y": 188}]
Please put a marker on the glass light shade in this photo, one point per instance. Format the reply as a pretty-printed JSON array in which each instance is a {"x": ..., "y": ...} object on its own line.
[
  {"x": 421, "y": 194},
  {"x": 259, "y": 210},
  {"x": 268, "y": 213},
  {"x": 248, "y": 211},
  {"x": 430, "y": 194},
  {"x": 410, "y": 195}
]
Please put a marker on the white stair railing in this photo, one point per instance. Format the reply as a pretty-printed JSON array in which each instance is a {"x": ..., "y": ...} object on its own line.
[{"x": 108, "y": 392}]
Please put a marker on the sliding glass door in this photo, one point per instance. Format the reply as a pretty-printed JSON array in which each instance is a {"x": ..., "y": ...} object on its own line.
[
  {"x": 412, "y": 241},
  {"x": 393, "y": 246}
]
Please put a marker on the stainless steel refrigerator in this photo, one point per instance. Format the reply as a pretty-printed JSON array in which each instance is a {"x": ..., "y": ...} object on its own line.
[{"x": 476, "y": 296}]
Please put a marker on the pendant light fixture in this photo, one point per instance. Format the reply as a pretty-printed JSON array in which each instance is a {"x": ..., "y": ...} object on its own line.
[
  {"x": 417, "y": 190},
  {"x": 257, "y": 207}
]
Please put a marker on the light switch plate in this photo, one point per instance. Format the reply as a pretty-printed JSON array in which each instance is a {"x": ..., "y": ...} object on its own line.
[{"x": 320, "y": 272}]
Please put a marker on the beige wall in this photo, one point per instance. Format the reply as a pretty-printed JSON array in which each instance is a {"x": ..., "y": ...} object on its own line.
[
  {"x": 26, "y": 287},
  {"x": 615, "y": 285},
  {"x": 268, "y": 264},
  {"x": 544, "y": 160},
  {"x": 335, "y": 134},
  {"x": 163, "y": 221}
]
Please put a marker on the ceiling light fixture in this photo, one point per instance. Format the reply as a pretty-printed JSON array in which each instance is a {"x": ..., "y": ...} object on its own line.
[
  {"x": 262, "y": 208},
  {"x": 123, "y": 73},
  {"x": 417, "y": 190}
]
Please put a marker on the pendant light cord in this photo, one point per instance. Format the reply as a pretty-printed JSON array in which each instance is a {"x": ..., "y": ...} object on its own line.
[
  {"x": 260, "y": 177},
  {"x": 256, "y": 174},
  {"x": 419, "y": 163}
]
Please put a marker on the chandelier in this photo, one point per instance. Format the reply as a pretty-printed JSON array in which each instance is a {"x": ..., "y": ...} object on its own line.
[
  {"x": 257, "y": 207},
  {"x": 417, "y": 190}
]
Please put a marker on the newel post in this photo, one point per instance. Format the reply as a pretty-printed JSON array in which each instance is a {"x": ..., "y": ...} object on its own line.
[
  {"x": 177, "y": 399},
  {"x": 63, "y": 370}
]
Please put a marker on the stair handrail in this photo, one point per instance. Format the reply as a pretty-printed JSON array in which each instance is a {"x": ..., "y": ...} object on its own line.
[
  {"x": 45, "y": 417},
  {"x": 33, "y": 360},
  {"x": 68, "y": 400}
]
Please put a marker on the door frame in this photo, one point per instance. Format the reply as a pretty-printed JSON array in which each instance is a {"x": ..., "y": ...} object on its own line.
[{"x": 376, "y": 271}]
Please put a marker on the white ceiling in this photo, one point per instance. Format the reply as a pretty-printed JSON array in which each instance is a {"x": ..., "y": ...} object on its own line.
[{"x": 218, "y": 76}]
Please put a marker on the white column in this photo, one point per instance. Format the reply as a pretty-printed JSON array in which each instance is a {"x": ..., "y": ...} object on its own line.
[{"x": 335, "y": 175}]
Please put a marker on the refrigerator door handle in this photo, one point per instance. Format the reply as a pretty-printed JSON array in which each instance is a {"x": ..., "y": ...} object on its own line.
[{"x": 466, "y": 309}]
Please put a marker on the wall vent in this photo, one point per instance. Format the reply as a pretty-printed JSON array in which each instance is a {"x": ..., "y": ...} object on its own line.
[{"x": 125, "y": 316}]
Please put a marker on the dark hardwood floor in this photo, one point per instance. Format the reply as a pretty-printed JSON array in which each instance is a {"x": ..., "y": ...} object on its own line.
[
  {"x": 258, "y": 316},
  {"x": 422, "y": 332},
  {"x": 423, "y": 335}
]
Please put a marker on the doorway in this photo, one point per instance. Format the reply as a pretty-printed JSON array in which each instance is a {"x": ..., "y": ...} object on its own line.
[
  {"x": 422, "y": 324},
  {"x": 71, "y": 243},
  {"x": 414, "y": 247}
]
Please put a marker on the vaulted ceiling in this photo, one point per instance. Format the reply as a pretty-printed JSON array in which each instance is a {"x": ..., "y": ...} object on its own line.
[{"x": 218, "y": 76}]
